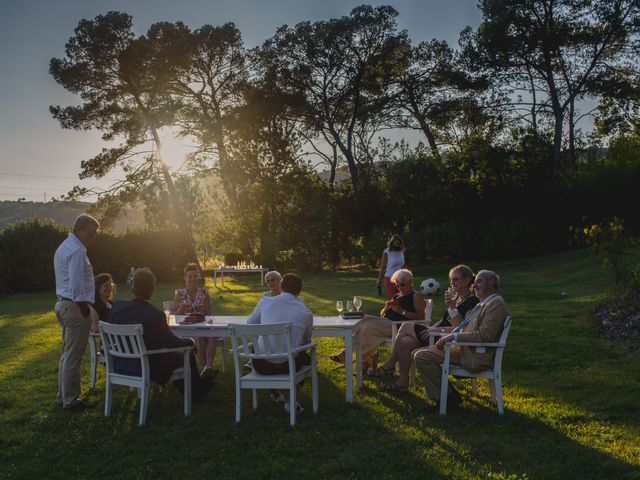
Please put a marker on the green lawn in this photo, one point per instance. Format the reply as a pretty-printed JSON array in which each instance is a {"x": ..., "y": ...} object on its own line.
[{"x": 571, "y": 400}]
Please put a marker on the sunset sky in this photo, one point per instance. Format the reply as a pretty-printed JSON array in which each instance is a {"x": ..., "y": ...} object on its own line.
[{"x": 39, "y": 160}]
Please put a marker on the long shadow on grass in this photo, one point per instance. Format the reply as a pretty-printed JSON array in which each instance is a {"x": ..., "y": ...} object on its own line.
[{"x": 476, "y": 442}]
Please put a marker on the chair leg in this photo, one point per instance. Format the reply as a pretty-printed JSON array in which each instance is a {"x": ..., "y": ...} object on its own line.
[
  {"x": 444, "y": 389},
  {"x": 94, "y": 362},
  {"x": 144, "y": 403},
  {"x": 293, "y": 404},
  {"x": 314, "y": 390},
  {"x": 186, "y": 378},
  {"x": 238, "y": 402},
  {"x": 254, "y": 398},
  {"x": 492, "y": 389},
  {"x": 108, "y": 390},
  {"x": 498, "y": 388},
  {"x": 223, "y": 356}
]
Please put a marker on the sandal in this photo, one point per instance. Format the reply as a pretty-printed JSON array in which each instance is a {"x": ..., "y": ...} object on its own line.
[
  {"x": 380, "y": 372},
  {"x": 393, "y": 388},
  {"x": 337, "y": 358},
  {"x": 209, "y": 372}
]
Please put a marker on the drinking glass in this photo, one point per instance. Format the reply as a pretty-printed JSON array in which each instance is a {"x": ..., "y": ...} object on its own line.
[
  {"x": 339, "y": 307},
  {"x": 349, "y": 306},
  {"x": 167, "y": 307},
  {"x": 357, "y": 302},
  {"x": 428, "y": 309}
]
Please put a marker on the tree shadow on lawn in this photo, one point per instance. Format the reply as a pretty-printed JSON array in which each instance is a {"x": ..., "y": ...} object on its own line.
[
  {"x": 345, "y": 440},
  {"x": 476, "y": 441},
  {"x": 380, "y": 436}
]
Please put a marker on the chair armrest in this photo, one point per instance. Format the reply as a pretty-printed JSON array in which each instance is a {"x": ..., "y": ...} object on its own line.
[
  {"x": 302, "y": 348},
  {"x": 169, "y": 350},
  {"x": 474, "y": 344},
  {"x": 400, "y": 322},
  {"x": 241, "y": 347}
]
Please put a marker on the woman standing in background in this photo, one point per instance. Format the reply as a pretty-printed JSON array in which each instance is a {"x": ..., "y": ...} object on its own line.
[{"x": 393, "y": 259}]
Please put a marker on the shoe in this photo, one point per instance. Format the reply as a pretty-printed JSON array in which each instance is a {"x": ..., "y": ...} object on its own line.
[
  {"x": 278, "y": 398},
  {"x": 337, "y": 358},
  {"x": 79, "y": 406},
  {"x": 454, "y": 402},
  {"x": 206, "y": 386},
  {"x": 287, "y": 408},
  {"x": 393, "y": 388},
  {"x": 209, "y": 372},
  {"x": 380, "y": 372}
]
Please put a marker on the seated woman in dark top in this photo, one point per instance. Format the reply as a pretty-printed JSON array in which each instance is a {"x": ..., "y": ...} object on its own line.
[
  {"x": 459, "y": 300},
  {"x": 103, "y": 296},
  {"x": 407, "y": 304}
]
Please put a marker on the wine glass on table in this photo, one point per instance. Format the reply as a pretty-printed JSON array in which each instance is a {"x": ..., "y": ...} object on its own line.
[
  {"x": 339, "y": 307},
  {"x": 357, "y": 302}
]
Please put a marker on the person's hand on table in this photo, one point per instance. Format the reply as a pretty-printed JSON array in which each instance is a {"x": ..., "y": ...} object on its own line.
[
  {"x": 182, "y": 308},
  {"x": 444, "y": 340}
]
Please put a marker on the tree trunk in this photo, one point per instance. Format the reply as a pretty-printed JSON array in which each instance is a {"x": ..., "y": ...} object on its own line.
[
  {"x": 572, "y": 138},
  {"x": 557, "y": 149},
  {"x": 176, "y": 204},
  {"x": 424, "y": 126}
]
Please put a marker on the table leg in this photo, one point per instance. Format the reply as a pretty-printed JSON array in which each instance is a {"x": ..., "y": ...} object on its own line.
[
  {"x": 215, "y": 278},
  {"x": 261, "y": 278},
  {"x": 222, "y": 278},
  {"x": 348, "y": 365},
  {"x": 359, "y": 364}
]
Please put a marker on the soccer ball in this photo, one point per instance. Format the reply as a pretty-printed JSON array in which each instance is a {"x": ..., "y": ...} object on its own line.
[{"x": 430, "y": 287}]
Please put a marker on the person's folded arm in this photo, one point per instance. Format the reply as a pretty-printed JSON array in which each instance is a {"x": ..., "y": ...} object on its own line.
[{"x": 491, "y": 326}]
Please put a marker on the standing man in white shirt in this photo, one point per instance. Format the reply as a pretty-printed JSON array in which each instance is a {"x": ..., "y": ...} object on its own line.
[
  {"x": 75, "y": 293},
  {"x": 286, "y": 307}
]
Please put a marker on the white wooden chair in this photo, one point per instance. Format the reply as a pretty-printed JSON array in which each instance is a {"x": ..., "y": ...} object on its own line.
[
  {"x": 96, "y": 356},
  {"x": 494, "y": 374},
  {"x": 126, "y": 341},
  {"x": 277, "y": 343}
]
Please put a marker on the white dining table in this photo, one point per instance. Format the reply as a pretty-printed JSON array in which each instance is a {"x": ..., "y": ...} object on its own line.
[
  {"x": 235, "y": 271},
  {"x": 218, "y": 326}
]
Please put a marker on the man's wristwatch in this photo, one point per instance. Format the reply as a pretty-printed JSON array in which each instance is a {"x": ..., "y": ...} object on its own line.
[{"x": 404, "y": 314}]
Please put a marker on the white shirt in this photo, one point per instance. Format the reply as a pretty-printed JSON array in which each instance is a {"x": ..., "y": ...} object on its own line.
[
  {"x": 280, "y": 309},
  {"x": 395, "y": 261},
  {"x": 74, "y": 274}
]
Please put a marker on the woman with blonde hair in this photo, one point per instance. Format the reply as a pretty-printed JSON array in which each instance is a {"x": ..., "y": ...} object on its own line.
[{"x": 459, "y": 299}]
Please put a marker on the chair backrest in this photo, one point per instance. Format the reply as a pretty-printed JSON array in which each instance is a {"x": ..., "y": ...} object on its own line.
[
  {"x": 497, "y": 359},
  {"x": 505, "y": 330},
  {"x": 123, "y": 341},
  {"x": 272, "y": 341}
]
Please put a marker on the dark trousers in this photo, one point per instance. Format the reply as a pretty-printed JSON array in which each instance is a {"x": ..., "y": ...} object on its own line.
[
  {"x": 198, "y": 385},
  {"x": 265, "y": 367}
]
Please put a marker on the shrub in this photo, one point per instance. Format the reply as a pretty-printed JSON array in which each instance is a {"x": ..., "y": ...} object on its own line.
[{"x": 27, "y": 249}]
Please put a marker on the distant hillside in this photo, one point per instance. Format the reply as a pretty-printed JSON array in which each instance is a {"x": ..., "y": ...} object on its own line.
[{"x": 63, "y": 213}]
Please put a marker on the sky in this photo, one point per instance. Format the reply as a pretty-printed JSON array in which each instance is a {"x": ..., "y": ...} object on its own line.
[{"x": 39, "y": 160}]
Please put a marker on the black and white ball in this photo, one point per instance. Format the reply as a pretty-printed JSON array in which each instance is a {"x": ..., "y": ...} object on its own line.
[{"x": 430, "y": 286}]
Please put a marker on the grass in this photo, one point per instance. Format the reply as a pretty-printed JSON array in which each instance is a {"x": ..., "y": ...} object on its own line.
[{"x": 571, "y": 400}]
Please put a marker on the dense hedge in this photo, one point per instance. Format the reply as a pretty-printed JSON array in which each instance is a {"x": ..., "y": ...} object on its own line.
[{"x": 27, "y": 249}]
